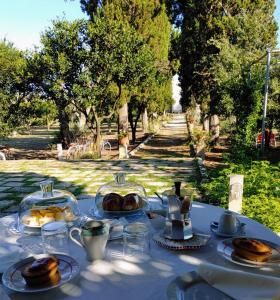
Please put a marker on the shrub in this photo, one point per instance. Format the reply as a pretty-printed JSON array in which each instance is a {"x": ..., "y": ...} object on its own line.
[
  {"x": 89, "y": 155},
  {"x": 261, "y": 195}
]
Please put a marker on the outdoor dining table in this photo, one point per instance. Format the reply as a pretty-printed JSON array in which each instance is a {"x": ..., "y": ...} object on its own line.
[{"x": 117, "y": 278}]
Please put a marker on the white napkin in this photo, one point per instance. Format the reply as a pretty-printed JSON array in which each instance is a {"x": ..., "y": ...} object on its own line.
[
  {"x": 9, "y": 254},
  {"x": 241, "y": 285}
]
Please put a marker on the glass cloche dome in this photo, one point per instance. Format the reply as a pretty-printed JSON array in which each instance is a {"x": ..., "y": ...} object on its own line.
[
  {"x": 45, "y": 206},
  {"x": 119, "y": 197}
]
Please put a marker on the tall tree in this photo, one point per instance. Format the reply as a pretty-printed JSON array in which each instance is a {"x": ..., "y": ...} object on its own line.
[
  {"x": 15, "y": 87},
  {"x": 116, "y": 58},
  {"x": 218, "y": 39},
  {"x": 150, "y": 20},
  {"x": 59, "y": 64}
]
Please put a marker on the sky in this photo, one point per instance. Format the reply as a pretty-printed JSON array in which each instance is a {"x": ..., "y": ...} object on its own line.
[{"x": 22, "y": 21}]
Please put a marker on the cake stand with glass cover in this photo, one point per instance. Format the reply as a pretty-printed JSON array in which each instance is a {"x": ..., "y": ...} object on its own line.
[
  {"x": 119, "y": 198},
  {"x": 46, "y": 206}
]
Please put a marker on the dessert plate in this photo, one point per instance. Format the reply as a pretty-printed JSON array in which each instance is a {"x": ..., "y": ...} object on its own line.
[
  {"x": 12, "y": 279},
  {"x": 191, "y": 286},
  {"x": 225, "y": 249},
  {"x": 197, "y": 241}
]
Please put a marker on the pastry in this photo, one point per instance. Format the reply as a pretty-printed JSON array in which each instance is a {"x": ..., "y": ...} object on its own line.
[
  {"x": 131, "y": 201},
  {"x": 252, "y": 249},
  {"x": 41, "y": 272},
  {"x": 40, "y": 216},
  {"x": 112, "y": 202}
]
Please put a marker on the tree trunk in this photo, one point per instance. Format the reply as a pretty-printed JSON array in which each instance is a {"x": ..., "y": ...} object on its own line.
[
  {"x": 48, "y": 123},
  {"x": 109, "y": 123},
  {"x": 82, "y": 121},
  {"x": 123, "y": 118},
  {"x": 65, "y": 135},
  {"x": 206, "y": 123},
  {"x": 145, "y": 122},
  {"x": 98, "y": 138},
  {"x": 215, "y": 129},
  {"x": 134, "y": 134},
  {"x": 131, "y": 123}
]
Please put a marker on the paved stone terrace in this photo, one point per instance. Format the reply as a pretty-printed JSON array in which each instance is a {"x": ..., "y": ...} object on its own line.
[{"x": 156, "y": 170}]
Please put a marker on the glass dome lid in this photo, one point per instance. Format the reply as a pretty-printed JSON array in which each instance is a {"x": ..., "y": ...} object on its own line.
[
  {"x": 119, "y": 197},
  {"x": 47, "y": 205}
]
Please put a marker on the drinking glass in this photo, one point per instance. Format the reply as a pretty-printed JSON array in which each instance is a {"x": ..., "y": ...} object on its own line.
[
  {"x": 136, "y": 237},
  {"x": 55, "y": 237}
]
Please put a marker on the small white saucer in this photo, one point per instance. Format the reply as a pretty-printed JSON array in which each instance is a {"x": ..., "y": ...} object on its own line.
[{"x": 239, "y": 232}]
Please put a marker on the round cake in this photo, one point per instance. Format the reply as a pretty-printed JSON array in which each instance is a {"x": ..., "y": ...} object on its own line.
[
  {"x": 42, "y": 271},
  {"x": 252, "y": 249}
]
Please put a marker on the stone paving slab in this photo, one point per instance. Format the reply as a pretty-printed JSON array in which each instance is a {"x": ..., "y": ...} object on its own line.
[
  {"x": 4, "y": 188},
  {"x": 5, "y": 195},
  {"x": 83, "y": 178}
]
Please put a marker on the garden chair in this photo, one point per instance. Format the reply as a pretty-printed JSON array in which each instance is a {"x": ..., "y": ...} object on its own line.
[
  {"x": 72, "y": 151},
  {"x": 2, "y": 156},
  {"x": 272, "y": 140},
  {"x": 105, "y": 145}
]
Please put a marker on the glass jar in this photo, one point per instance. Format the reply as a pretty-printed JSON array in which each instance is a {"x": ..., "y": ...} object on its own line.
[
  {"x": 119, "y": 198},
  {"x": 55, "y": 237},
  {"x": 47, "y": 205},
  {"x": 136, "y": 240}
]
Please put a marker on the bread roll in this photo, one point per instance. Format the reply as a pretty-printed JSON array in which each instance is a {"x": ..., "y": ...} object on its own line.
[
  {"x": 132, "y": 201},
  {"x": 112, "y": 202},
  {"x": 251, "y": 245},
  {"x": 251, "y": 249}
]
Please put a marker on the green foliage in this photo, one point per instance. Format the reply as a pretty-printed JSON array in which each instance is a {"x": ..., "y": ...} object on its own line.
[
  {"x": 116, "y": 57},
  {"x": 218, "y": 40},
  {"x": 261, "y": 190},
  {"x": 58, "y": 67},
  {"x": 13, "y": 87},
  {"x": 89, "y": 155},
  {"x": 122, "y": 134},
  {"x": 200, "y": 137},
  {"x": 149, "y": 19}
]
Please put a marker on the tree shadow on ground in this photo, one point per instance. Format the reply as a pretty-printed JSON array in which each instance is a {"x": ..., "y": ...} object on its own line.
[{"x": 20, "y": 184}]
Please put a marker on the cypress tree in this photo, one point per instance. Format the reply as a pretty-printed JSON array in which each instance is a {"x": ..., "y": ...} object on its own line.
[{"x": 219, "y": 38}]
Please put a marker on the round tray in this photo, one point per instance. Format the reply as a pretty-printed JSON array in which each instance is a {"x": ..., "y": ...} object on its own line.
[{"x": 197, "y": 241}]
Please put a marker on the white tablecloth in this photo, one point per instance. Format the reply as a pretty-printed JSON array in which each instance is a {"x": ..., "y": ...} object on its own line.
[{"x": 115, "y": 278}]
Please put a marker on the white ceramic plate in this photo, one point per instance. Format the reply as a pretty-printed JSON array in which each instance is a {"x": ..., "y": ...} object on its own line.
[
  {"x": 197, "y": 241},
  {"x": 225, "y": 248},
  {"x": 12, "y": 279},
  {"x": 215, "y": 230},
  {"x": 191, "y": 286}
]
